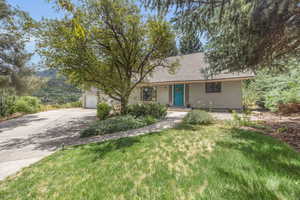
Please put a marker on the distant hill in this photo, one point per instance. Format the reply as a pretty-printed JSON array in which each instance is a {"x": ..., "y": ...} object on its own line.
[{"x": 56, "y": 90}]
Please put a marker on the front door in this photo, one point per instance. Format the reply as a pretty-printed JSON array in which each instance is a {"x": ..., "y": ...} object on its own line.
[{"x": 178, "y": 95}]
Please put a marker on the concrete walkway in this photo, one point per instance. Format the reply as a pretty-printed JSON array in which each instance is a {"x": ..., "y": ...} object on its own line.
[
  {"x": 27, "y": 139},
  {"x": 173, "y": 118}
]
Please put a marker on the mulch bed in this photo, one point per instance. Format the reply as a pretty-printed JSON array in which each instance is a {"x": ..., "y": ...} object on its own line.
[
  {"x": 15, "y": 115},
  {"x": 284, "y": 128}
]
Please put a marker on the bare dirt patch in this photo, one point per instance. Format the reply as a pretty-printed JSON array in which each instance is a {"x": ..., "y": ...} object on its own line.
[
  {"x": 13, "y": 116},
  {"x": 283, "y": 127}
]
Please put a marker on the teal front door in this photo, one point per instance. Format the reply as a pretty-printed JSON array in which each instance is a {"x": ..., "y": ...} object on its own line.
[{"x": 178, "y": 95}]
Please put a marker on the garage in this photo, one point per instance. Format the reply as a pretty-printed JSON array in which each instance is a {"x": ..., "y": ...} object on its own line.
[
  {"x": 90, "y": 101},
  {"x": 90, "y": 98}
]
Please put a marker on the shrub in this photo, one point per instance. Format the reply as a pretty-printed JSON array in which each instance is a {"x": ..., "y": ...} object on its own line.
[
  {"x": 116, "y": 124},
  {"x": 48, "y": 107},
  {"x": 28, "y": 104},
  {"x": 274, "y": 89},
  {"x": 241, "y": 120},
  {"x": 276, "y": 97},
  {"x": 76, "y": 104},
  {"x": 103, "y": 110},
  {"x": 7, "y": 105},
  {"x": 155, "y": 110},
  {"x": 198, "y": 117},
  {"x": 149, "y": 119}
]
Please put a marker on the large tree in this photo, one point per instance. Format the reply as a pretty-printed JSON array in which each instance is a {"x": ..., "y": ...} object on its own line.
[
  {"x": 106, "y": 44},
  {"x": 190, "y": 43},
  {"x": 241, "y": 34},
  {"x": 14, "y": 70},
  {"x": 173, "y": 50}
]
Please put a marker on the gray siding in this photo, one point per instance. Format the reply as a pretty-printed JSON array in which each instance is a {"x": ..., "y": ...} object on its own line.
[
  {"x": 163, "y": 94},
  {"x": 230, "y": 96}
]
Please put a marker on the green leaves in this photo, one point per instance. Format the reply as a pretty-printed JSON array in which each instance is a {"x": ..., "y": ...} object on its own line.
[
  {"x": 190, "y": 43},
  {"x": 274, "y": 88},
  {"x": 106, "y": 44},
  {"x": 240, "y": 34},
  {"x": 14, "y": 72}
]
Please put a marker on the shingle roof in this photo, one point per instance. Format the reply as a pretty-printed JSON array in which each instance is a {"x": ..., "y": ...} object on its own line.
[{"x": 190, "y": 69}]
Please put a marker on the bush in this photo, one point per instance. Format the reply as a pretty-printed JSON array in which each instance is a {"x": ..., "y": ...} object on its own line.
[
  {"x": 198, "y": 117},
  {"x": 28, "y": 104},
  {"x": 241, "y": 120},
  {"x": 76, "y": 104},
  {"x": 276, "y": 97},
  {"x": 275, "y": 89},
  {"x": 116, "y": 124},
  {"x": 48, "y": 107},
  {"x": 7, "y": 105},
  {"x": 155, "y": 110},
  {"x": 103, "y": 110},
  {"x": 244, "y": 119},
  {"x": 149, "y": 119}
]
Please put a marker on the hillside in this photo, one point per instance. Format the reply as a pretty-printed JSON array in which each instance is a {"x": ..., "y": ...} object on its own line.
[{"x": 57, "y": 90}]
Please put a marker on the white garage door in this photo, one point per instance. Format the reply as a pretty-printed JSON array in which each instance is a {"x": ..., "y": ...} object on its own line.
[{"x": 91, "y": 101}]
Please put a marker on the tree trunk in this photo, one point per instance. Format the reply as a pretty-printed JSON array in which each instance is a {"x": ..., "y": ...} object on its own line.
[{"x": 124, "y": 104}]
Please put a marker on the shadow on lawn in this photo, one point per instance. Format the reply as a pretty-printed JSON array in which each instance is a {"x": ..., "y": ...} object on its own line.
[
  {"x": 268, "y": 153},
  {"x": 102, "y": 149},
  {"x": 247, "y": 189},
  {"x": 186, "y": 127}
]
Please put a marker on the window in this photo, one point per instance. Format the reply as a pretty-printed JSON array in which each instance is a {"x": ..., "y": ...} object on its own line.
[
  {"x": 148, "y": 94},
  {"x": 214, "y": 87}
]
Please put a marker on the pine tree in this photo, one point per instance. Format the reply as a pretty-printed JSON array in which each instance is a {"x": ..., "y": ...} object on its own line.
[
  {"x": 241, "y": 34},
  {"x": 173, "y": 50},
  {"x": 13, "y": 56},
  {"x": 190, "y": 43},
  {"x": 4, "y": 10}
]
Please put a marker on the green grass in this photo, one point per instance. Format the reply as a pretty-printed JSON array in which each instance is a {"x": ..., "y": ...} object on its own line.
[{"x": 204, "y": 162}]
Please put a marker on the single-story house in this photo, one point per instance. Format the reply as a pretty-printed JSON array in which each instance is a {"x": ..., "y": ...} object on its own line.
[{"x": 189, "y": 86}]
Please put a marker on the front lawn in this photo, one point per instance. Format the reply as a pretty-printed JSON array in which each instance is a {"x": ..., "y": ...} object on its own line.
[{"x": 203, "y": 162}]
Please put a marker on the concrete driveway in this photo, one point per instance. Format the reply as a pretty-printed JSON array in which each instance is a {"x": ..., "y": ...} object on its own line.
[{"x": 28, "y": 139}]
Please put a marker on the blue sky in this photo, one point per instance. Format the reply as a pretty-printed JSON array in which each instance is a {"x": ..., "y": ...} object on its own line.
[{"x": 37, "y": 9}]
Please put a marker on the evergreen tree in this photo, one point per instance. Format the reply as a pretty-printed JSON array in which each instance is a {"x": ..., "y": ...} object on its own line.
[
  {"x": 173, "y": 49},
  {"x": 190, "y": 43},
  {"x": 241, "y": 34},
  {"x": 4, "y": 10},
  {"x": 13, "y": 56}
]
